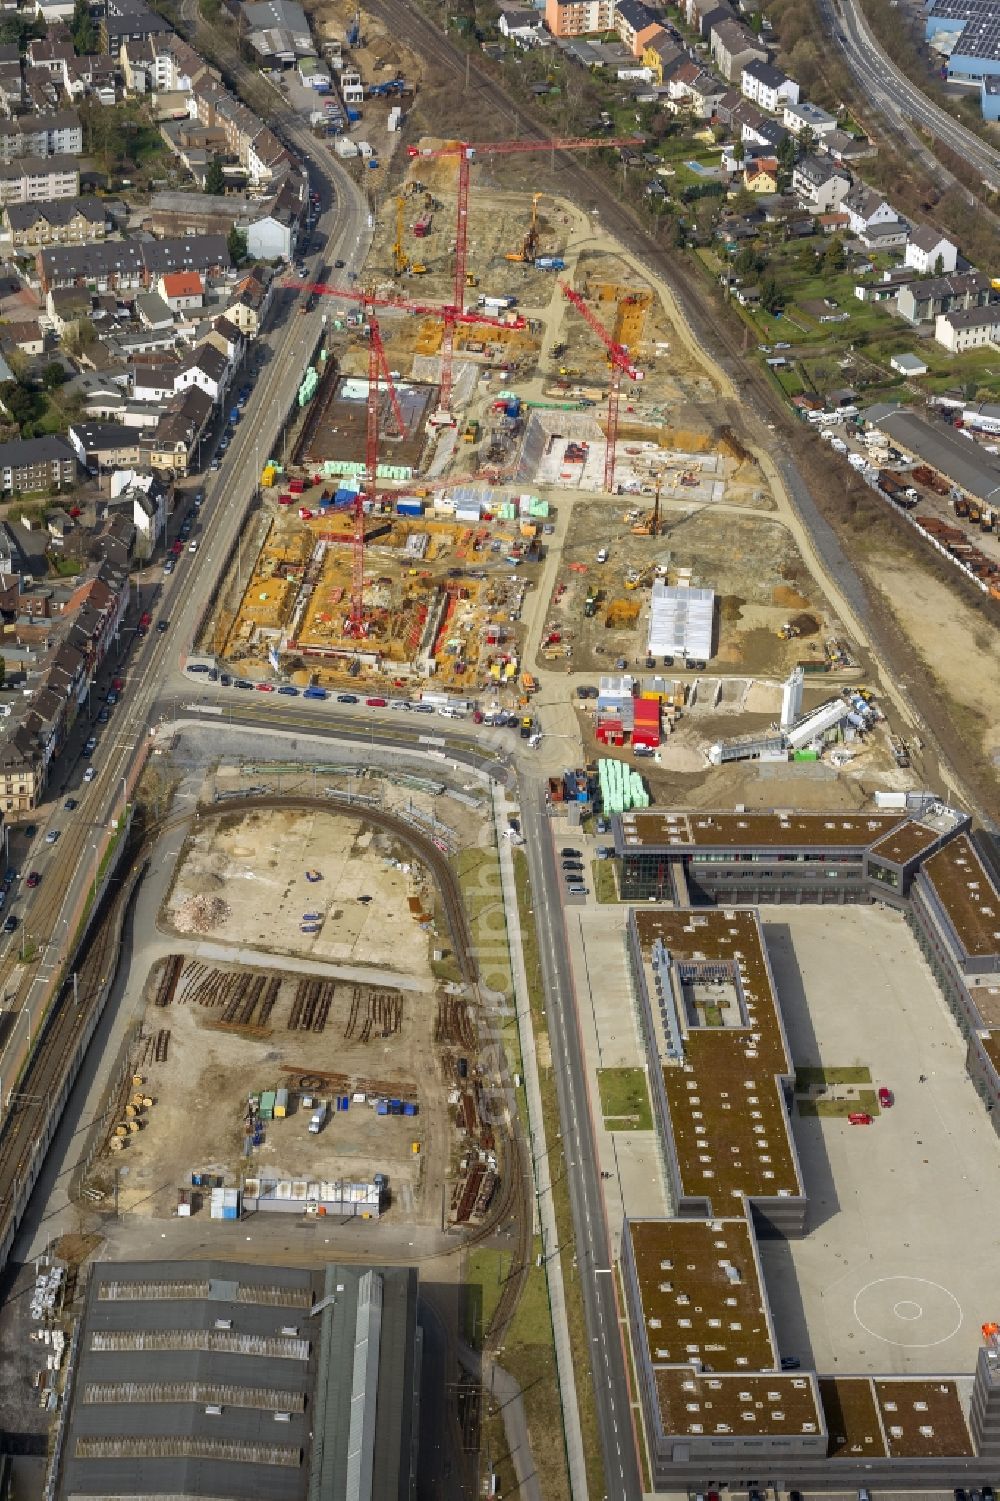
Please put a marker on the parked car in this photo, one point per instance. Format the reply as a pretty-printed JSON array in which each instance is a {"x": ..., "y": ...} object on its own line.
[
  {"x": 885, "y": 1098},
  {"x": 288, "y": 689},
  {"x": 10, "y": 924},
  {"x": 52, "y": 836},
  {"x": 347, "y": 698},
  {"x": 71, "y": 805},
  {"x": 90, "y": 774},
  {"x": 162, "y": 625},
  {"x": 33, "y": 879},
  {"x": 264, "y": 687}
]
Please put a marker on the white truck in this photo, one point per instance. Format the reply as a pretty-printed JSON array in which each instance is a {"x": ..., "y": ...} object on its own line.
[{"x": 317, "y": 1119}]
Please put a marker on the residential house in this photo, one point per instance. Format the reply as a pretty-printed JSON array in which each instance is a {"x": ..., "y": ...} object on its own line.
[
  {"x": 969, "y": 328},
  {"x": 59, "y": 221},
  {"x": 885, "y": 235},
  {"x": 104, "y": 445},
  {"x": 31, "y": 464},
  {"x": 57, "y": 134},
  {"x": 845, "y": 148},
  {"x": 661, "y": 55},
  {"x": 579, "y": 17},
  {"x": 22, "y": 775},
  {"x": 251, "y": 301},
  {"x": 224, "y": 335},
  {"x": 207, "y": 368},
  {"x": 865, "y": 207},
  {"x": 818, "y": 185},
  {"x": 767, "y": 86},
  {"x": 181, "y": 290},
  {"x": 708, "y": 13},
  {"x": 174, "y": 445},
  {"x": 91, "y": 75},
  {"x": 128, "y": 20},
  {"x": 636, "y": 24},
  {"x": 107, "y": 266},
  {"x": 733, "y": 46},
  {"x": 930, "y": 252},
  {"x": 152, "y": 312},
  {"x": 520, "y": 25},
  {"x": 761, "y": 175},
  {"x": 25, "y": 335},
  {"x": 142, "y": 495},
  {"x": 922, "y": 301},
  {"x": 39, "y": 180},
  {"x": 155, "y": 384},
  {"x": 802, "y": 115},
  {"x": 49, "y": 52}
]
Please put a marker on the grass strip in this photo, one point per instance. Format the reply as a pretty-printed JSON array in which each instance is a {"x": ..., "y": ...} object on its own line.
[{"x": 624, "y": 1099}]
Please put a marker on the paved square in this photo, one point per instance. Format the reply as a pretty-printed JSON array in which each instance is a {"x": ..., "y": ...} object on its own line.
[{"x": 898, "y": 1269}]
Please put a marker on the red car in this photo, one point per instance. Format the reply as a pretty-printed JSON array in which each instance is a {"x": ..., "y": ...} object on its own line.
[
  {"x": 177, "y": 548},
  {"x": 376, "y": 703},
  {"x": 118, "y": 684},
  {"x": 885, "y": 1098},
  {"x": 860, "y": 1118},
  {"x": 265, "y": 687},
  {"x": 33, "y": 879}
]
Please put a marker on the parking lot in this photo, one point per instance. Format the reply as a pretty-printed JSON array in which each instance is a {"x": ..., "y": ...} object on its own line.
[{"x": 897, "y": 1272}]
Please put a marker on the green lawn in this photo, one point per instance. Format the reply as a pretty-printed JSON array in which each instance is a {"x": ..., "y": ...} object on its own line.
[
  {"x": 605, "y": 884},
  {"x": 866, "y": 1099},
  {"x": 624, "y": 1099},
  {"x": 808, "y": 1078}
]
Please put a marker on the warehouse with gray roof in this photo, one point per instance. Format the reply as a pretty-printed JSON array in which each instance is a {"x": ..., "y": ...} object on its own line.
[{"x": 210, "y": 1379}]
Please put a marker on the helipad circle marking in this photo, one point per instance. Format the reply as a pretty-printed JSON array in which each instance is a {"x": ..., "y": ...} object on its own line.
[{"x": 908, "y": 1310}]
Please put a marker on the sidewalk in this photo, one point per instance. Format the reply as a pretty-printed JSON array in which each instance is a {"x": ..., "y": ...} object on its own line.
[{"x": 539, "y": 1153}]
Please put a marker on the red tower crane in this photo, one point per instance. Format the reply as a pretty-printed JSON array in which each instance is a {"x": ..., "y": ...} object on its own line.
[
  {"x": 377, "y": 366},
  {"x": 621, "y": 364},
  {"x": 466, "y": 153}
]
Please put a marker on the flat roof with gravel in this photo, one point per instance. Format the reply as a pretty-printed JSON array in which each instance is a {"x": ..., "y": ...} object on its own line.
[
  {"x": 739, "y": 1404},
  {"x": 922, "y": 1419},
  {"x": 701, "y": 1293},
  {"x": 967, "y": 894},
  {"x": 853, "y": 1419},
  {"x": 756, "y": 829},
  {"x": 727, "y": 1112},
  {"x": 905, "y": 842}
]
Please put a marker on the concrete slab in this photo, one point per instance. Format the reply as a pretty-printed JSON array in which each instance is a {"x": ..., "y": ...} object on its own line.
[
  {"x": 611, "y": 1037},
  {"x": 897, "y": 1271}
]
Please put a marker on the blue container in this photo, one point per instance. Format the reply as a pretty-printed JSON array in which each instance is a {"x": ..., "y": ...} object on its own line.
[
  {"x": 513, "y": 408},
  {"x": 346, "y": 1102},
  {"x": 381, "y": 1108},
  {"x": 409, "y": 1109},
  {"x": 409, "y": 508}
]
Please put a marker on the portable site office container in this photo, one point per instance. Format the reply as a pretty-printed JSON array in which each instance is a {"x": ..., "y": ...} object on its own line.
[
  {"x": 267, "y": 1105},
  {"x": 280, "y": 1104}
]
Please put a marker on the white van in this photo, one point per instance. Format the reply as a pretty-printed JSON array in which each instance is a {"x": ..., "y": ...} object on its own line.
[
  {"x": 449, "y": 713},
  {"x": 318, "y": 1117}
]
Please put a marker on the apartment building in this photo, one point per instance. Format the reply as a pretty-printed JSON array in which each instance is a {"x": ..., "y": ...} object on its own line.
[
  {"x": 579, "y": 17},
  {"x": 39, "y": 179}
]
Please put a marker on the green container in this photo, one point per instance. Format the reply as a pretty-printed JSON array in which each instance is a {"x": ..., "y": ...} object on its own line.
[{"x": 267, "y": 1105}]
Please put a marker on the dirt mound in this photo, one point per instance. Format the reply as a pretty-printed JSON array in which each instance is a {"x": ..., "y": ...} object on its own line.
[
  {"x": 787, "y": 598},
  {"x": 806, "y": 625},
  {"x": 200, "y": 914}
]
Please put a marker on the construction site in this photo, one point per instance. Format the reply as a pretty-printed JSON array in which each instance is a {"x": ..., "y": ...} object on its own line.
[
  {"x": 502, "y": 357},
  {"x": 319, "y": 1078}
]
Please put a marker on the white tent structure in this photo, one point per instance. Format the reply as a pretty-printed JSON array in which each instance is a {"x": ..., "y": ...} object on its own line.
[{"x": 680, "y": 622}]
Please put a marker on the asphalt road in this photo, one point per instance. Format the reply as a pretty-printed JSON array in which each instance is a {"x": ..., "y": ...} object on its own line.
[
  {"x": 895, "y": 96},
  {"x": 594, "y": 1266}
]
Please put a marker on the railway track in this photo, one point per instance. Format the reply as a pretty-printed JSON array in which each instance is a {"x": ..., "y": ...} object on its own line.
[{"x": 27, "y": 1122}]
